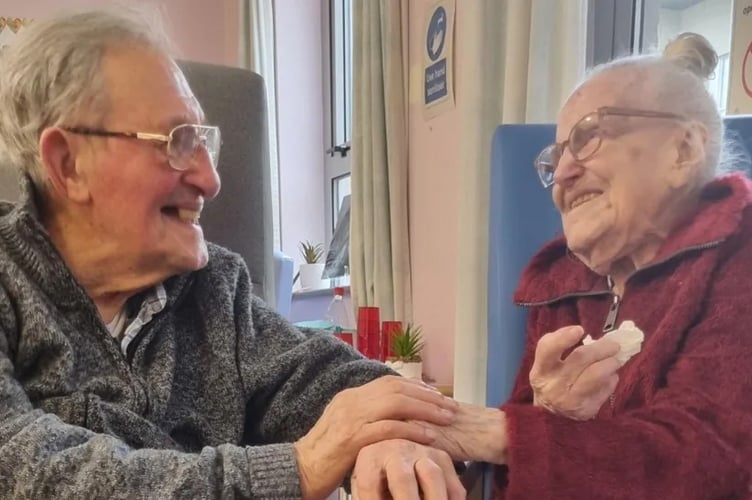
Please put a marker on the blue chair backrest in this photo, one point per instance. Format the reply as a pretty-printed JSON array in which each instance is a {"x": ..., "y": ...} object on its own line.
[{"x": 522, "y": 218}]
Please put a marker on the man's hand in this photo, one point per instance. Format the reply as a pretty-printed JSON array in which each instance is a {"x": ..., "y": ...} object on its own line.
[
  {"x": 575, "y": 387},
  {"x": 404, "y": 470},
  {"x": 361, "y": 416}
]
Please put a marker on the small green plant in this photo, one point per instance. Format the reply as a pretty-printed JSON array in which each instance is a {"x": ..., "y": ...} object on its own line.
[
  {"x": 407, "y": 344},
  {"x": 311, "y": 253}
]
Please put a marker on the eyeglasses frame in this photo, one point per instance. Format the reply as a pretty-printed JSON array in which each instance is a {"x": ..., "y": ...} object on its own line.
[
  {"x": 149, "y": 136},
  {"x": 601, "y": 113}
]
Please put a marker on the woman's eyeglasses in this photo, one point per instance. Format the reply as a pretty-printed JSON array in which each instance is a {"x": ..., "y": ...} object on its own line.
[
  {"x": 585, "y": 139},
  {"x": 184, "y": 142}
]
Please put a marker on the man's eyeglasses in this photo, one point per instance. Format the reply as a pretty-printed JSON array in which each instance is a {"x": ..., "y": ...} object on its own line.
[
  {"x": 585, "y": 139},
  {"x": 184, "y": 142}
]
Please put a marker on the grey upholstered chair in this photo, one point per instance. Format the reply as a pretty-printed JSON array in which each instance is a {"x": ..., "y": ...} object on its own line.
[{"x": 240, "y": 217}]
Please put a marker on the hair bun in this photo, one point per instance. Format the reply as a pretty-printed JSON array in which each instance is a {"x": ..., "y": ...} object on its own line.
[{"x": 692, "y": 52}]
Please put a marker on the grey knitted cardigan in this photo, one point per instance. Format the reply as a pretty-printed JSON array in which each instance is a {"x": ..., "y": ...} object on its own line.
[{"x": 206, "y": 404}]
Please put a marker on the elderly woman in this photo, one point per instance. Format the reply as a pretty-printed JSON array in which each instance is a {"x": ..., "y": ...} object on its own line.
[
  {"x": 651, "y": 236},
  {"x": 134, "y": 361}
]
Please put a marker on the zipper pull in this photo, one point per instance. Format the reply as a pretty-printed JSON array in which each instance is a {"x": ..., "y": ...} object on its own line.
[{"x": 613, "y": 311}]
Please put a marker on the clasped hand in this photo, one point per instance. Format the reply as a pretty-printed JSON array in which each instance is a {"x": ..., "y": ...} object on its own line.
[
  {"x": 388, "y": 408},
  {"x": 404, "y": 470}
]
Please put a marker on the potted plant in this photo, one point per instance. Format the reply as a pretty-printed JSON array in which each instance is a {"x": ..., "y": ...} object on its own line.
[
  {"x": 407, "y": 346},
  {"x": 312, "y": 269}
]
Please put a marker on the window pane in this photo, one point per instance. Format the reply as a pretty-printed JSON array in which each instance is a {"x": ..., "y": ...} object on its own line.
[
  {"x": 341, "y": 60},
  {"x": 340, "y": 190},
  {"x": 710, "y": 18}
]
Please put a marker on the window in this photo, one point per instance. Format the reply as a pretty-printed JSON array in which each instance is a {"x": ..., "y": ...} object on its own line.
[
  {"x": 618, "y": 27},
  {"x": 340, "y": 190},
  {"x": 719, "y": 85},
  {"x": 340, "y": 53},
  {"x": 338, "y": 127}
]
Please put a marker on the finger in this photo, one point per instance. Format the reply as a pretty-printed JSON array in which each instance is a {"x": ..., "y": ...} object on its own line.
[
  {"x": 430, "y": 479},
  {"x": 404, "y": 407},
  {"x": 594, "y": 399},
  {"x": 586, "y": 355},
  {"x": 393, "y": 429},
  {"x": 416, "y": 389},
  {"x": 401, "y": 480},
  {"x": 606, "y": 388},
  {"x": 598, "y": 374},
  {"x": 368, "y": 481},
  {"x": 552, "y": 346},
  {"x": 455, "y": 489}
]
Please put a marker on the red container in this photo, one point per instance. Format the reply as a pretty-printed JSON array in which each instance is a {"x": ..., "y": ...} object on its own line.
[
  {"x": 346, "y": 336},
  {"x": 387, "y": 331},
  {"x": 368, "y": 332}
]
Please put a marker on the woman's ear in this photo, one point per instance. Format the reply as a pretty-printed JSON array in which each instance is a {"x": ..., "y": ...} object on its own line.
[
  {"x": 691, "y": 154},
  {"x": 58, "y": 154}
]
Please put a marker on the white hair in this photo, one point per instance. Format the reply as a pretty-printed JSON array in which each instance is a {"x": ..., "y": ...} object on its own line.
[
  {"x": 674, "y": 81},
  {"x": 51, "y": 75}
]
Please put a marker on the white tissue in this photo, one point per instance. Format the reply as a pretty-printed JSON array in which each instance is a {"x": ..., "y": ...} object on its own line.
[{"x": 629, "y": 338}]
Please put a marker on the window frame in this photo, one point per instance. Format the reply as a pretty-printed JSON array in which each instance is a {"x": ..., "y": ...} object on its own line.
[{"x": 337, "y": 160}]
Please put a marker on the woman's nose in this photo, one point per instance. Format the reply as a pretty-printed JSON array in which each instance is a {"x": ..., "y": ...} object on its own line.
[{"x": 568, "y": 169}]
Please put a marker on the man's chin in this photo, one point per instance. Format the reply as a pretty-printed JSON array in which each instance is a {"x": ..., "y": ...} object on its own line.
[{"x": 191, "y": 261}]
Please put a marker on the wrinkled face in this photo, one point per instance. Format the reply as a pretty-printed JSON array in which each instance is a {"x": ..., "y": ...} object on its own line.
[
  {"x": 611, "y": 202},
  {"x": 143, "y": 211}
]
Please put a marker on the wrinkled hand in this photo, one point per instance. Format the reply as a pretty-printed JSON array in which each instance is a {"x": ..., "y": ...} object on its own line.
[
  {"x": 575, "y": 387},
  {"x": 477, "y": 433},
  {"x": 404, "y": 470},
  {"x": 358, "y": 417}
]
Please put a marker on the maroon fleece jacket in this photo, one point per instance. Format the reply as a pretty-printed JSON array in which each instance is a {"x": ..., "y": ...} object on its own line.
[{"x": 680, "y": 422}]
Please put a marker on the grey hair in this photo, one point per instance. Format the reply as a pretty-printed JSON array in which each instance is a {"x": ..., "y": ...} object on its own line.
[
  {"x": 674, "y": 81},
  {"x": 51, "y": 75}
]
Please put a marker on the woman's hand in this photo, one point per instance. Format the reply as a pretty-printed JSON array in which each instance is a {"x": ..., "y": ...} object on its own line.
[
  {"x": 577, "y": 386},
  {"x": 383, "y": 409},
  {"x": 477, "y": 433},
  {"x": 405, "y": 470}
]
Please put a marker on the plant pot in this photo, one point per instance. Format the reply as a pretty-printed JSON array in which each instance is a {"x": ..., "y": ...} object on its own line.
[
  {"x": 407, "y": 370},
  {"x": 310, "y": 276}
]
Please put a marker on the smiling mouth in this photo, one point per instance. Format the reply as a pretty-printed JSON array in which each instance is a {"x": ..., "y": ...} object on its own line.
[
  {"x": 582, "y": 199},
  {"x": 183, "y": 214}
]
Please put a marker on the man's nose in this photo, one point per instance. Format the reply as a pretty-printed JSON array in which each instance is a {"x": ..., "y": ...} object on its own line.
[{"x": 203, "y": 175}]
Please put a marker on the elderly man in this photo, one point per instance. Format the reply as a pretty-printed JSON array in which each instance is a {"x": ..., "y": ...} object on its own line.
[{"x": 134, "y": 360}]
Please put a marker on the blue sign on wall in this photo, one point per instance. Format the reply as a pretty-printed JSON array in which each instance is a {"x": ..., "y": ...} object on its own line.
[{"x": 435, "y": 84}]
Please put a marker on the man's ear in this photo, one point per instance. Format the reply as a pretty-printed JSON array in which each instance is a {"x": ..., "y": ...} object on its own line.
[
  {"x": 58, "y": 155},
  {"x": 691, "y": 154}
]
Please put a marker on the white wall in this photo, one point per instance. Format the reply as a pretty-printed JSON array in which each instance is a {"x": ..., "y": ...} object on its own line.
[
  {"x": 434, "y": 176},
  {"x": 710, "y": 18},
  {"x": 201, "y": 30},
  {"x": 300, "y": 122}
]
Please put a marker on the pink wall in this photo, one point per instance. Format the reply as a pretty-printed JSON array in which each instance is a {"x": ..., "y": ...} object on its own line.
[
  {"x": 434, "y": 170},
  {"x": 300, "y": 123},
  {"x": 202, "y": 30}
]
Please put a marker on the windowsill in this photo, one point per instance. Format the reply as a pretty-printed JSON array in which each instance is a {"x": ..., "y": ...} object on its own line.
[
  {"x": 329, "y": 284},
  {"x": 318, "y": 292},
  {"x": 446, "y": 390}
]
